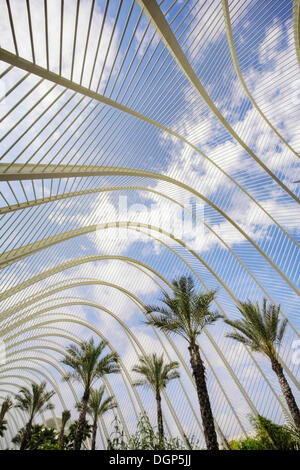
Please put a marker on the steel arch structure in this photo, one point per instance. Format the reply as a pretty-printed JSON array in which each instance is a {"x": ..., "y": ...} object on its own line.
[{"x": 142, "y": 139}]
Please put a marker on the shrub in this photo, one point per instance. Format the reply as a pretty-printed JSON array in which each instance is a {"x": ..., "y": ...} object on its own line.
[
  {"x": 268, "y": 436},
  {"x": 145, "y": 438}
]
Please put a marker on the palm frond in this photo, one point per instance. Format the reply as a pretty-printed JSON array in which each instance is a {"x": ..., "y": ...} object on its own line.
[
  {"x": 35, "y": 400},
  {"x": 97, "y": 406},
  {"x": 242, "y": 339},
  {"x": 185, "y": 313},
  {"x": 87, "y": 362},
  {"x": 260, "y": 329},
  {"x": 141, "y": 382},
  {"x": 156, "y": 373},
  {"x": 281, "y": 331}
]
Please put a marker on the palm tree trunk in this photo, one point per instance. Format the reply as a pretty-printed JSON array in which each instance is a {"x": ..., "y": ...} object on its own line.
[
  {"x": 287, "y": 392},
  {"x": 159, "y": 420},
  {"x": 81, "y": 420},
  {"x": 3, "y": 412},
  {"x": 27, "y": 435},
  {"x": 94, "y": 434},
  {"x": 61, "y": 435},
  {"x": 203, "y": 397}
]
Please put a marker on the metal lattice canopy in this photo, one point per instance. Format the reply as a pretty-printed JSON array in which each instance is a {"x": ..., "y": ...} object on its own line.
[{"x": 120, "y": 120}]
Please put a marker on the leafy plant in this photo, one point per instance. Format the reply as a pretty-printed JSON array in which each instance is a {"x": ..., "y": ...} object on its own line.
[
  {"x": 145, "y": 438},
  {"x": 70, "y": 436},
  {"x": 268, "y": 436},
  {"x": 41, "y": 438}
]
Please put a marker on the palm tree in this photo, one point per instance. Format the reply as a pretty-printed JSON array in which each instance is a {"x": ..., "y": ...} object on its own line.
[
  {"x": 71, "y": 434},
  {"x": 65, "y": 416},
  {"x": 6, "y": 406},
  {"x": 156, "y": 374},
  {"x": 97, "y": 407},
  {"x": 263, "y": 331},
  {"x": 33, "y": 401},
  {"x": 186, "y": 313},
  {"x": 87, "y": 366}
]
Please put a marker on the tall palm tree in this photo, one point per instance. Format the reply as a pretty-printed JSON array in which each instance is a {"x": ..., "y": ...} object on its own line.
[
  {"x": 97, "y": 407},
  {"x": 33, "y": 401},
  {"x": 262, "y": 331},
  {"x": 156, "y": 374},
  {"x": 87, "y": 366},
  {"x": 186, "y": 313},
  {"x": 65, "y": 416}
]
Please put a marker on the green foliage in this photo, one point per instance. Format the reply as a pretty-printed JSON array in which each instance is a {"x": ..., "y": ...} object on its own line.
[
  {"x": 87, "y": 363},
  {"x": 65, "y": 416},
  {"x": 249, "y": 443},
  {"x": 46, "y": 438},
  {"x": 155, "y": 373},
  {"x": 295, "y": 434},
  {"x": 273, "y": 436},
  {"x": 185, "y": 313},
  {"x": 35, "y": 400},
  {"x": 145, "y": 438},
  {"x": 97, "y": 405},
  {"x": 292, "y": 428},
  {"x": 50, "y": 446},
  {"x": 71, "y": 434},
  {"x": 42, "y": 438},
  {"x": 260, "y": 328},
  {"x": 268, "y": 436}
]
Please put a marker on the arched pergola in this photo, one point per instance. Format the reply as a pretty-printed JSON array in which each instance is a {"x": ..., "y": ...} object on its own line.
[{"x": 142, "y": 140}]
